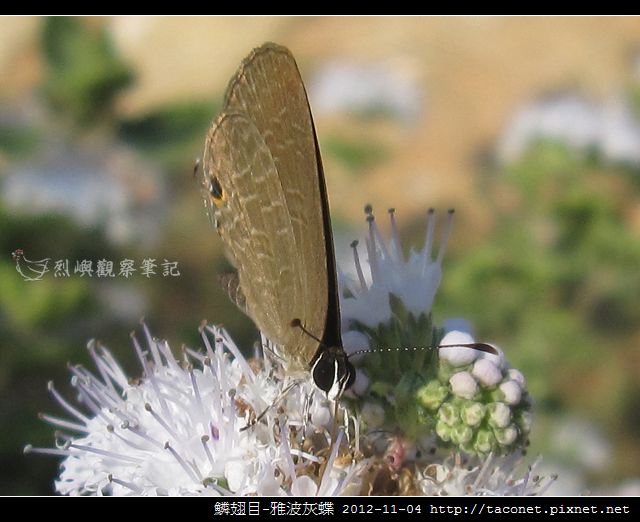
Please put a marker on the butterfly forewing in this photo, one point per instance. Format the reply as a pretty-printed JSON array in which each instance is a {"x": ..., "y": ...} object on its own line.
[{"x": 264, "y": 184}]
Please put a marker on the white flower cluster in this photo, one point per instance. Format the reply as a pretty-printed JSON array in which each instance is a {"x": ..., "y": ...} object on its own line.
[
  {"x": 413, "y": 281},
  {"x": 609, "y": 127},
  {"x": 215, "y": 423},
  {"x": 481, "y": 404},
  {"x": 492, "y": 476},
  {"x": 179, "y": 431},
  {"x": 461, "y": 390}
]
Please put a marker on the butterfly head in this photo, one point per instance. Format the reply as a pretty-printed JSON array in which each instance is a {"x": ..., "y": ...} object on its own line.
[
  {"x": 332, "y": 372},
  {"x": 330, "y": 367}
]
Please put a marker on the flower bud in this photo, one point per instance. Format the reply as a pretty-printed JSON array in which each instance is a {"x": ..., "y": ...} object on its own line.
[
  {"x": 524, "y": 420},
  {"x": 457, "y": 355},
  {"x": 443, "y": 430},
  {"x": 449, "y": 414},
  {"x": 461, "y": 434},
  {"x": 497, "y": 359},
  {"x": 432, "y": 394},
  {"x": 499, "y": 415},
  {"x": 472, "y": 413},
  {"x": 511, "y": 391},
  {"x": 485, "y": 441},
  {"x": 506, "y": 436},
  {"x": 487, "y": 373},
  {"x": 516, "y": 375},
  {"x": 463, "y": 385}
]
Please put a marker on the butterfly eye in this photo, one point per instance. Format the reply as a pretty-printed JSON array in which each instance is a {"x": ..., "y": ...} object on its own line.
[{"x": 215, "y": 191}]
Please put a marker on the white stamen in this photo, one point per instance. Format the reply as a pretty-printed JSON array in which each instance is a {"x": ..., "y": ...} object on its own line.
[
  {"x": 196, "y": 391},
  {"x": 152, "y": 344},
  {"x": 428, "y": 244},
  {"x": 63, "y": 423},
  {"x": 97, "y": 360},
  {"x": 104, "y": 453},
  {"x": 445, "y": 236},
  {"x": 356, "y": 258},
  {"x": 289, "y": 470},
  {"x": 129, "y": 485},
  {"x": 145, "y": 436},
  {"x": 47, "y": 451},
  {"x": 334, "y": 453},
  {"x": 66, "y": 405},
  {"x": 182, "y": 463},
  {"x": 395, "y": 237},
  {"x": 376, "y": 238},
  {"x": 205, "y": 439},
  {"x": 112, "y": 368},
  {"x": 140, "y": 353},
  {"x": 161, "y": 421}
]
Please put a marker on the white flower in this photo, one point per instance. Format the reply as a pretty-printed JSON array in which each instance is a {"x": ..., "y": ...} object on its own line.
[
  {"x": 414, "y": 280},
  {"x": 452, "y": 351},
  {"x": 512, "y": 392},
  {"x": 492, "y": 476},
  {"x": 581, "y": 124},
  {"x": 179, "y": 431},
  {"x": 487, "y": 373},
  {"x": 516, "y": 375},
  {"x": 463, "y": 385}
]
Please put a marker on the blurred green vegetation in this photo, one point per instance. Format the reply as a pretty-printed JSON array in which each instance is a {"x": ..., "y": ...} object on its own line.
[
  {"x": 17, "y": 143},
  {"x": 167, "y": 133},
  {"x": 85, "y": 74},
  {"x": 46, "y": 324},
  {"x": 356, "y": 155},
  {"x": 556, "y": 281},
  {"x": 43, "y": 325}
]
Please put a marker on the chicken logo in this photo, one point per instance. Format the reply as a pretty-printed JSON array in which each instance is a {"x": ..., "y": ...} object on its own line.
[{"x": 28, "y": 269}]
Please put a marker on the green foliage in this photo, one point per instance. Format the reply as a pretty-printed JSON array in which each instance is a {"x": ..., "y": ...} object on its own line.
[
  {"x": 84, "y": 73},
  {"x": 634, "y": 99},
  {"x": 171, "y": 133},
  {"x": 18, "y": 142},
  {"x": 558, "y": 281},
  {"x": 356, "y": 155},
  {"x": 403, "y": 329},
  {"x": 43, "y": 325}
]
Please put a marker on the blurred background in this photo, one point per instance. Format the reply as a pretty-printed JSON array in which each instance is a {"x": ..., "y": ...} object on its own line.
[{"x": 528, "y": 127}]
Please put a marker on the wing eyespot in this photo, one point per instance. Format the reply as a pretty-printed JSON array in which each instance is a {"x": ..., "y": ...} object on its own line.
[{"x": 215, "y": 191}]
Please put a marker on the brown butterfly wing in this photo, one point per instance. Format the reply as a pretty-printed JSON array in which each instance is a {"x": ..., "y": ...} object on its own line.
[{"x": 265, "y": 187}]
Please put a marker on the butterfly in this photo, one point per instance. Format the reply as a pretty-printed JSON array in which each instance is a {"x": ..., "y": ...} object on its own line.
[{"x": 264, "y": 188}]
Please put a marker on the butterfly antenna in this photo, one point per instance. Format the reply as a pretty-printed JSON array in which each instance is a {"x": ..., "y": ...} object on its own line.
[
  {"x": 379, "y": 350},
  {"x": 483, "y": 347},
  {"x": 296, "y": 323}
]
